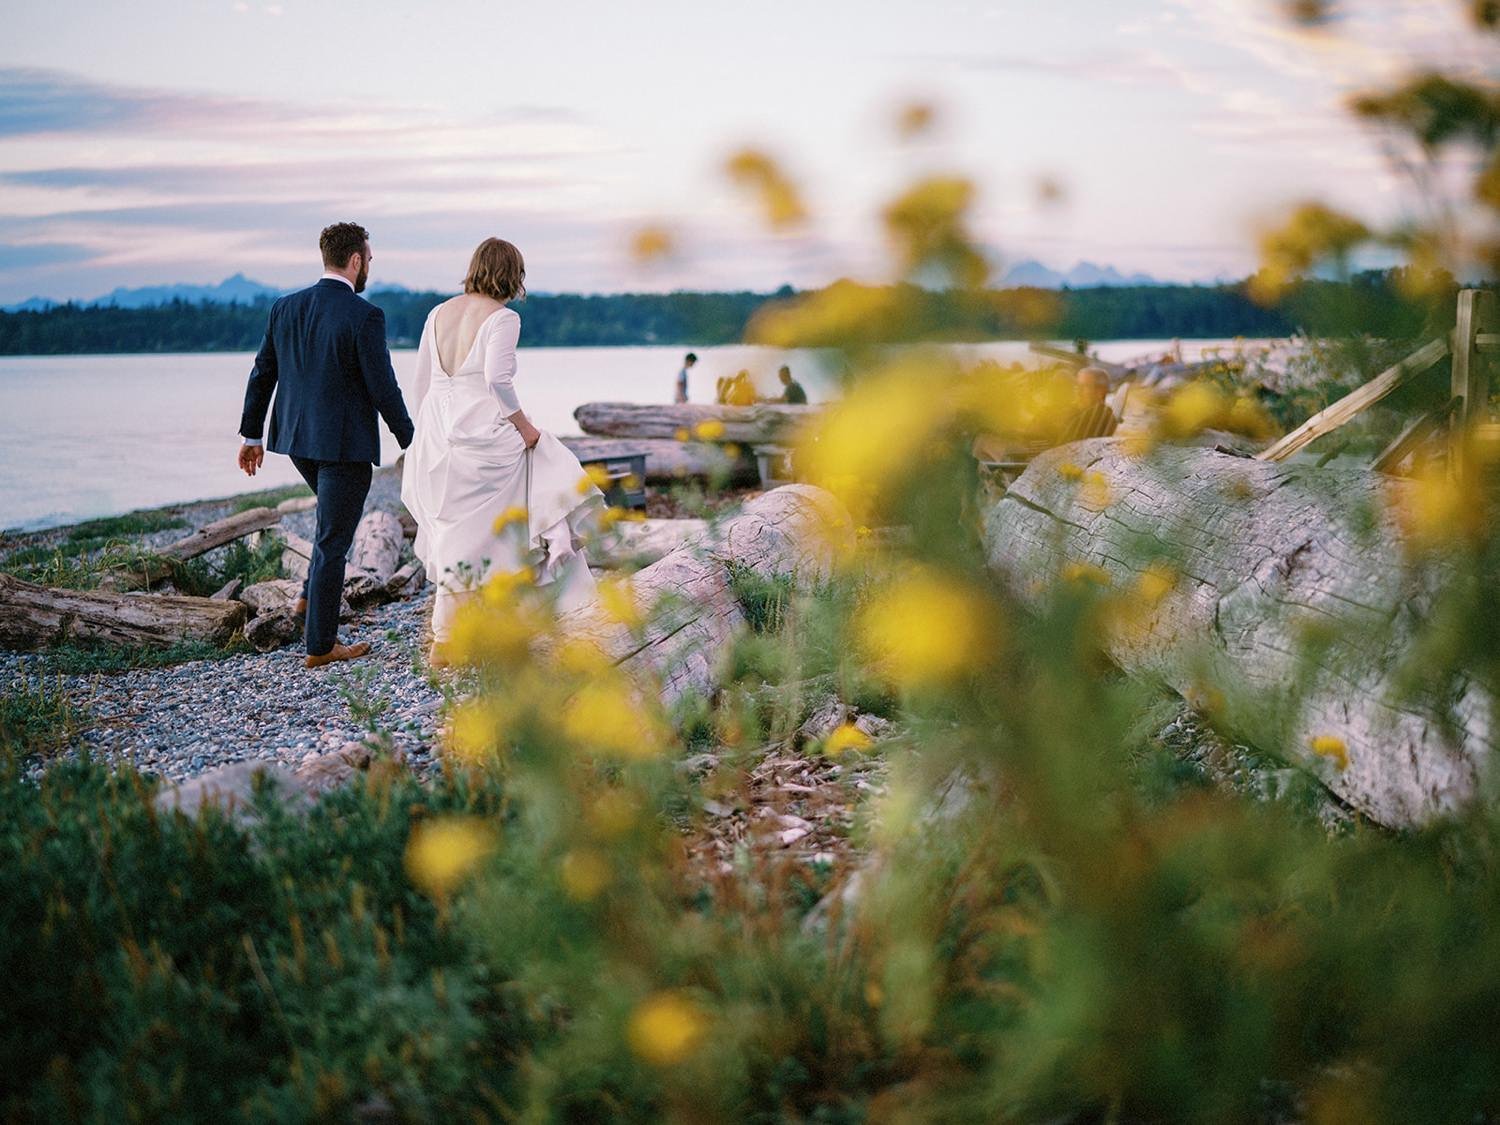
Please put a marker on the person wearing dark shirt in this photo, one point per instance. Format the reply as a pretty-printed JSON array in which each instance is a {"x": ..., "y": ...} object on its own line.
[
  {"x": 682, "y": 377},
  {"x": 1093, "y": 417},
  {"x": 793, "y": 394}
]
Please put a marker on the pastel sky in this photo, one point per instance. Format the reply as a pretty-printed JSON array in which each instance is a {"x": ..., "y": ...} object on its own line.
[{"x": 184, "y": 140}]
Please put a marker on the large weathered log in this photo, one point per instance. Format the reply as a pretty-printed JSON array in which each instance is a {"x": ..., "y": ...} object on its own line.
[
  {"x": 1292, "y": 618},
  {"x": 794, "y": 530},
  {"x": 670, "y": 460},
  {"x": 763, "y": 423},
  {"x": 377, "y": 545},
  {"x": 642, "y": 542},
  {"x": 36, "y": 616}
]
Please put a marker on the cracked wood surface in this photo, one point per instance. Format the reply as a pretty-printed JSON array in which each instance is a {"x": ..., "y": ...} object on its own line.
[
  {"x": 34, "y": 616},
  {"x": 687, "y": 597},
  {"x": 668, "y": 459},
  {"x": 1271, "y": 557}
]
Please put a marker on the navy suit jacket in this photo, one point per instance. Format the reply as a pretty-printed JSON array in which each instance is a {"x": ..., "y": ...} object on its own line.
[{"x": 326, "y": 360}]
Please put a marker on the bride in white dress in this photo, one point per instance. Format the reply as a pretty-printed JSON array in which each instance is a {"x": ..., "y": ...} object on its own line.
[{"x": 476, "y": 457}]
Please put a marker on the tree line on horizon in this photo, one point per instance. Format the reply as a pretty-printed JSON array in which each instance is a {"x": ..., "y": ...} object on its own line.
[{"x": 1386, "y": 304}]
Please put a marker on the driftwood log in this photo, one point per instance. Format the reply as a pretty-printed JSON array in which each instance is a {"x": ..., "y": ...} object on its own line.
[
  {"x": 374, "y": 558},
  {"x": 688, "y": 597},
  {"x": 34, "y": 617},
  {"x": 1271, "y": 557},
  {"x": 766, "y": 423},
  {"x": 670, "y": 460},
  {"x": 205, "y": 539},
  {"x": 642, "y": 542}
]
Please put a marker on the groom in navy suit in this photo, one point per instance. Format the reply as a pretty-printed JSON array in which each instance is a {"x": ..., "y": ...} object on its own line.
[{"x": 326, "y": 360}]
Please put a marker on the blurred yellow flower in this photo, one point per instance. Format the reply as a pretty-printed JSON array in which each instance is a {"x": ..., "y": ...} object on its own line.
[
  {"x": 617, "y": 599},
  {"x": 1311, "y": 234},
  {"x": 613, "y": 515},
  {"x": 681, "y": 433},
  {"x": 441, "y": 853},
  {"x": 847, "y": 737},
  {"x": 608, "y": 715},
  {"x": 1331, "y": 747},
  {"x": 584, "y": 873},
  {"x": 923, "y": 628},
  {"x": 915, "y": 118},
  {"x": 1435, "y": 509},
  {"x": 594, "y": 476},
  {"x": 926, "y": 224},
  {"x": 1193, "y": 408},
  {"x": 501, "y": 587},
  {"x": 513, "y": 515},
  {"x": 839, "y": 315},
  {"x": 473, "y": 731},
  {"x": 710, "y": 429},
  {"x": 758, "y": 173},
  {"x": 1086, "y": 573},
  {"x": 650, "y": 243},
  {"x": 1069, "y": 471},
  {"x": 1155, "y": 583},
  {"x": 484, "y": 634},
  {"x": 1095, "y": 492},
  {"x": 874, "y": 434},
  {"x": 611, "y": 814},
  {"x": 666, "y": 1028}
]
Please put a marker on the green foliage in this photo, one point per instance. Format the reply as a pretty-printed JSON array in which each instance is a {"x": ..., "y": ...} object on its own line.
[
  {"x": 270, "y": 497},
  {"x": 174, "y": 970},
  {"x": 79, "y": 659},
  {"x": 117, "y": 527},
  {"x": 37, "y": 717}
]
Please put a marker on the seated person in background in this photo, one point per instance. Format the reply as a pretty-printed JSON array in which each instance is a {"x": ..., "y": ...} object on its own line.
[
  {"x": 739, "y": 391},
  {"x": 1093, "y": 418},
  {"x": 794, "y": 395}
]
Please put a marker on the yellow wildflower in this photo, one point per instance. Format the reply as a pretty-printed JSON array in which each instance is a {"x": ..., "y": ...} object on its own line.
[
  {"x": 617, "y": 599},
  {"x": 757, "y": 172},
  {"x": 500, "y": 588},
  {"x": 1069, "y": 471},
  {"x": 441, "y": 853},
  {"x": 1435, "y": 508},
  {"x": 1331, "y": 747},
  {"x": 1155, "y": 583},
  {"x": 594, "y": 476},
  {"x": 923, "y": 628},
  {"x": 842, "y": 314},
  {"x": 666, "y": 1028},
  {"x": 512, "y": 515},
  {"x": 1086, "y": 572},
  {"x": 1096, "y": 492},
  {"x": 607, "y": 715},
  {"x": 584, "y": 873},
  {"x": 846, "y": 737},
  {"x": 681, "y": 433},
  {"x": 710, "y": 429},
  {"x": 611, "y": 814},
  {"x": 473, "y": 730},
  {"x": 1193, "y": 408},
  {"x": 651, "y": 242}
]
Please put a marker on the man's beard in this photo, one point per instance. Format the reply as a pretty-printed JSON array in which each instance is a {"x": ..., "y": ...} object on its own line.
[{"x": 364, "y": 276}]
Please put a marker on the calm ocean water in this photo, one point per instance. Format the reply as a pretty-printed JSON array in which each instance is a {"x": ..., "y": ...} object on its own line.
[{"x": 86, "y": 436}]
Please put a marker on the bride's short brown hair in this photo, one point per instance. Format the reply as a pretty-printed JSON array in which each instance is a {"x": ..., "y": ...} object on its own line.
[{"x": 497, "y": 270}]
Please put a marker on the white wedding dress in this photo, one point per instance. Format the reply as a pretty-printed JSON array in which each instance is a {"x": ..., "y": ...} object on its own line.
[{"x": 468, "y": 465}]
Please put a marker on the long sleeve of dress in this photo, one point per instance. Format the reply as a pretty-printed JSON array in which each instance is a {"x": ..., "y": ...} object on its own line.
[
  {"x": 500, "y": 360},
  {"x": 423, "y": 380}
]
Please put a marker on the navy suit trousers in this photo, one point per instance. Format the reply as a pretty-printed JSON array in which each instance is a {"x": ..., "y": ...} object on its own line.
[{"x": 341, "y": 488}]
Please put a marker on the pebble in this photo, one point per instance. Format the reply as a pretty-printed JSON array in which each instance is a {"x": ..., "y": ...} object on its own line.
[{"x": 183, "y": 720}]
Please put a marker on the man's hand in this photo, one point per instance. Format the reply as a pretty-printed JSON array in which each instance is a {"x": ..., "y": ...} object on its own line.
[{"x": 251, "y": 458}]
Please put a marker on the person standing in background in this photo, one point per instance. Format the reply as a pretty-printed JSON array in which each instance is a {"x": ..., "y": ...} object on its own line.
[
  {"x": 793, "y": 395},
  {"x": 682, "y": 377}
]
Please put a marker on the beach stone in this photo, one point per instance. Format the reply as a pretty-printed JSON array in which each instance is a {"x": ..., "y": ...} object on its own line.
[
  {"x": 272, "y": 630},
  {"x": 230, "y": 788}
]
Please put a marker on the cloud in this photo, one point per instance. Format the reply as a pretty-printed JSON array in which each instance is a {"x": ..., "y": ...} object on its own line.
[{"x": 25, "y": 256}]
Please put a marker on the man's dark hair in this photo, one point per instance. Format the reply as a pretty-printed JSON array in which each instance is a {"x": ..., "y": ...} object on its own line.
[
  {"x": 785, "y": 370},
  {"x": 690, "y": 358},
  {"x": 341, "y": 242}
]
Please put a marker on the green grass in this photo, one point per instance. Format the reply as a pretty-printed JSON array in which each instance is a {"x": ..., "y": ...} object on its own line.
[
  {"x": 117, "y": 527},
  {"x": 270, "y": 497},
  {"x": 105, "y": 659},
  {"x": 37, "y": 718}
]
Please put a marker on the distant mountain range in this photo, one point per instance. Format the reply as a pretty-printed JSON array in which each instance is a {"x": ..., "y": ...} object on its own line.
[
  {"x": 242, "y": 290},
  {"x": 1084, "y": 275},
  {"x": 238, "y": 289}
]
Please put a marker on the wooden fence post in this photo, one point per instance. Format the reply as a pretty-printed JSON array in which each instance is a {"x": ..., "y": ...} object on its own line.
[{"x": 1478, "y": 315}]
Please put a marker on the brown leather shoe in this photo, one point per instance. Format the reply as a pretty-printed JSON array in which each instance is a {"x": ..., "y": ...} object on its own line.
[
  {"x": 299, "y": 607},
  {"x": 338, "y": 652}
]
